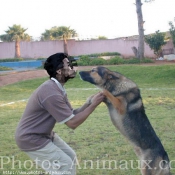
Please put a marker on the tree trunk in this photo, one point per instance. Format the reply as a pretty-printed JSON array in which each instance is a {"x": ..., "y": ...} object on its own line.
[
  {"x": 140, "y": 29},
  {"x": 65, "y": 45},
  {"x": 134, "y": 49},
  {"x": 17, "y": 49}
]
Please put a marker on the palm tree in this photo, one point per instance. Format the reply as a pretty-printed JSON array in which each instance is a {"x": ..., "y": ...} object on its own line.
[
  {"x": 49, "y": 34},
  {"x": 102, "y": 37},
  {"x": 16, "y": 33},
  {"x": 172, "y": 32},
  {"x": 67, "y": 33},
  {"x": 57, "y": 33}
]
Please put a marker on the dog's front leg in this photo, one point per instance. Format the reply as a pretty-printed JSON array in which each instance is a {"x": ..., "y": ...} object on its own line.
[{"x": 117, "y": 102}]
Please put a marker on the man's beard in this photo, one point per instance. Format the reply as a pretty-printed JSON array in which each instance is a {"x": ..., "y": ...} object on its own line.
[
  {"x": 64, "y": 79},
  {"x": 68, "y": 78}
]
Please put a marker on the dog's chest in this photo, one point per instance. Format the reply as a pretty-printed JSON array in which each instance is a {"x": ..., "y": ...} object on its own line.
[{"x": 117, "y": 119}]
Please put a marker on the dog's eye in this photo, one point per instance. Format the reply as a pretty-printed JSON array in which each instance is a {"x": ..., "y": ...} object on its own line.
[{"x": 93, "y": 70}]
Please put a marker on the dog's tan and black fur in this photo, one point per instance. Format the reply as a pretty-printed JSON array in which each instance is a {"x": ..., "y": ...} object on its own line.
[{"x": 127, "y": 113}]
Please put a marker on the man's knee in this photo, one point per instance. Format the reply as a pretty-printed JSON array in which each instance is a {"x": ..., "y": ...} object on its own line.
[
  {"x": 67, "y": 164},
  {"x": 73, "y": 155}
]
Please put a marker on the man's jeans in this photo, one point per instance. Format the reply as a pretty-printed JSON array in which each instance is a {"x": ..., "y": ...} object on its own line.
[{"x": 56, "y": 157}]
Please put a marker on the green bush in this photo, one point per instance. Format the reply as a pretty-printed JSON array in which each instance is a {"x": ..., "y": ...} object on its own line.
[
  {"x": 11, "y": 59},
  {"x": 41, "y": 59},
  {"x": 102, "y": 54},
  {"x": 155, "y": 42},
  {"x": 137, "y": 61},
  {"x": 93, "y": 55},
  {"x": 147, "y": 60},
  {"x": 97, "y": 61},
  {"x": 2, "y": 68},
  {"x": 132, "y": 61},
  {"x": 19, "y": 59},
  {"x": 115, "y": 60},
  {"x": 86, "y": 61},
  {"x": 172, "y": 32},
  {"x": 110, "y": 54},
  {"x": 81, "y": 63}
]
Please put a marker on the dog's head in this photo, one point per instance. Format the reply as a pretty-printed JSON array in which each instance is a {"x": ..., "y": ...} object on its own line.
[
  {"x": 99, "y": 76},
  {"x": 107, "y": 79}
]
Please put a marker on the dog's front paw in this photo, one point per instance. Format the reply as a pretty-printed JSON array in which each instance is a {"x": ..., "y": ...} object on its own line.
[
  {"x": 89, "y": 99},
  {"x": 105, "y": 92}
]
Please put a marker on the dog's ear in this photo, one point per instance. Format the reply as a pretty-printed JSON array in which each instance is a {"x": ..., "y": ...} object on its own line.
[
  {"x": 117, "y": 75},
  {"x": 111, "y": 76}
]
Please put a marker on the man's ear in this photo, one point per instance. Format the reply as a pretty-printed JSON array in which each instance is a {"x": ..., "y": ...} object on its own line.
[{"x": 58, "y": 72}]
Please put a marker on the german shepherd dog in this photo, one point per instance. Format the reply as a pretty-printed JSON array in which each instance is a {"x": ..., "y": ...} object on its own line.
[{"x": 127, "y": 113}]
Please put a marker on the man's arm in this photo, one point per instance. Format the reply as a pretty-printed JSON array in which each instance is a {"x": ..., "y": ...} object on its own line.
[
  {"x": 80, "y": 117},
  {"x": 82, "y": 108}
]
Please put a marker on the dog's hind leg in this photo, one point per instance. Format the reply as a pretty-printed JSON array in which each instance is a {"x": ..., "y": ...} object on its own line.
[
  {"x": 156, "y": 167},
  {"x": 162, "y": 166},
  {"x": 117, "y": 102}
]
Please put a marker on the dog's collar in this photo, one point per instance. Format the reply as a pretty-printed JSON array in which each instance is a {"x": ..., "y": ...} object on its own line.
[{"x": 59, "y": 85}]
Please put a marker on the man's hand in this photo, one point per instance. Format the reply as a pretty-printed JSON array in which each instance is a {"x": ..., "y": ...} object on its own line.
[
  {"x": 88, "y": 102},
  {"x": 80, "y": 117},
  {"x": 95, "y": 98}
]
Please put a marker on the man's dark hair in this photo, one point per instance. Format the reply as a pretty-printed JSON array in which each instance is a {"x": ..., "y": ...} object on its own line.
[{"x": 53, "y": 63}]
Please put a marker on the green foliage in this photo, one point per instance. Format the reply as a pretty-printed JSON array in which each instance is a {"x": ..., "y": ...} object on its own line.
[
  {"x": 11, "y": 59},
  {"x": 102, "y": 54},
  {"x": 137, "y": 61},
  {"x": 115, "y": 60},
  {"x": 41, "y": 58},
  {"x": 102, "y": 37},
  {"x": 97, "y": 61},
  {"x": 56, "y": 33},
  {"x": 89, "y": 61},
  {"x": 172, "y": 32},
  {"x": 19, "y": 59},
  {"x": 110, "y": 54},
  {"x": 156, "y": 41},
  {"x": 146, "y": 60},
  {"x": 2, "y": 68},
  {"x": 15, "y": 33},
  {"x": 84, "y": 60}
]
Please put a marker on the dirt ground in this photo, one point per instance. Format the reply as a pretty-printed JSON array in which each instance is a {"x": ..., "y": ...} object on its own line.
[{"x": 15, "y": 76}]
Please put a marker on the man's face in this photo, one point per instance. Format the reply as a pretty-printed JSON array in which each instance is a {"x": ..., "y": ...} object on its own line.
[{"x": 66, "y": 72}]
